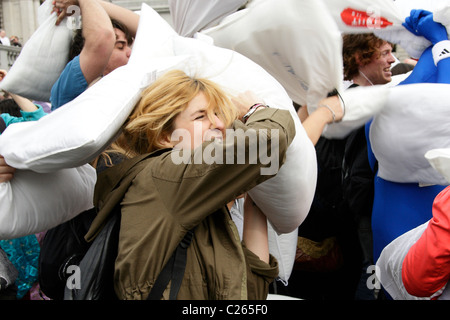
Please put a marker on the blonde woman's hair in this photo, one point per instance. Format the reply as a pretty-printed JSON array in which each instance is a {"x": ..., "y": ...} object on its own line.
[{"x": 154, "y": 114}]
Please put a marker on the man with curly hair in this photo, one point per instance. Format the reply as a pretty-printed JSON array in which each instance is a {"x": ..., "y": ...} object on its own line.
[
  {"x": 367, "y": 59},
  {"x": 342, "y": 207}
]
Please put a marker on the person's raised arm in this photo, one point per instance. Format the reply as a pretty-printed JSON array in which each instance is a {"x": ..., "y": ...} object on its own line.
[
  {"x": 24, "y": 103},
  {"x": 127, "y": 17},
  {"x": 328, "y": 111},
  {"x": 98, "y": 34},
  {"x": 255, "y": 234}
]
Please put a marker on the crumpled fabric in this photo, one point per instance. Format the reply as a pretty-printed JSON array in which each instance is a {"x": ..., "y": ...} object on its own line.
[{"x": 24, "y": 255}]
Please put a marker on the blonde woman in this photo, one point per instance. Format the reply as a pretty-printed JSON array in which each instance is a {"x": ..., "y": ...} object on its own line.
[{"x": 179, "y": 115}]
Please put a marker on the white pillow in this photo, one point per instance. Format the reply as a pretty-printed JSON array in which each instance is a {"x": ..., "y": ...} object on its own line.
[
  {"x": 382, "y": 17},
  {"x": 413, "y": 121},
  {"x": 291, "y": 191},
  {"x": 389, "y": 264},
  {"x": 33, "y": 202},
  {"x": 360, "y": 104},
  {"x": 283, "y": 247},
  {"x": 77, "y": 132},
  {"x": 42, "y": 59},
  {"x": 190, "y": 16},
  {"x": 299, "y": 45}
]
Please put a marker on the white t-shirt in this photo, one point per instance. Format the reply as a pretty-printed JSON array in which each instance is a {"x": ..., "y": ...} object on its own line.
[{"x": 5, "y": 41}]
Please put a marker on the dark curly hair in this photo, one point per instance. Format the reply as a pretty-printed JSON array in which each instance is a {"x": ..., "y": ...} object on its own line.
[
  {"x": 78, "y": 39},
  {"x": 359, "y": 49}
]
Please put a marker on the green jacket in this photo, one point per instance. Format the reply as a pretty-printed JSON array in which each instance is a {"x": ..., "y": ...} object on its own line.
[{"x": 163, "y": 200}]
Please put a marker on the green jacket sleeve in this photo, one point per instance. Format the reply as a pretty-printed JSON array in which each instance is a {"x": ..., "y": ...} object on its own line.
[{"x": 193, "y": 189}]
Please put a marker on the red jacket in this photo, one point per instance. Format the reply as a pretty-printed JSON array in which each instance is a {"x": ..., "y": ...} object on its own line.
[{"x": 426, "y": 267}]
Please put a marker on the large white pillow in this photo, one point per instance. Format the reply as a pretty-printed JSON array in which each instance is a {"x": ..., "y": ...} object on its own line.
[
  {"x": 389, "y": 264},
  {"x": 190, "y": 16},
  {"x": 413, "y": 121},
  {"x": 360, "y": 104},
  {"x": 33, "y": 202},
  {"x": 42, "y": 58},
  {"x": 287, "y": 197},
  {"x": 384, "y": 18},
  {"x": 297, "y": 43},
  {"x": 77, "y": 132}
]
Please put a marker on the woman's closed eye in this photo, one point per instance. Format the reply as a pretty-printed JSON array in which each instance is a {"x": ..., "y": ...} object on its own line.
[{"x": 200, "y": 115}]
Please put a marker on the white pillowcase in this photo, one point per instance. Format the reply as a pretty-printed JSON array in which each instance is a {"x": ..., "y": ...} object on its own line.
[
  {"x": 33, "y": 202},
  {"x": 190, "y": 16},
  {"x": 389, "y": 264},
  {"x": 77, "y": 132},
  {"x": 287, "y": 197},
  {"x": 42, "y": 59},
  {"x": 299, "y": 45},
  {"x": 413, "y": 121},
  {"x": 384, "y": 18}
]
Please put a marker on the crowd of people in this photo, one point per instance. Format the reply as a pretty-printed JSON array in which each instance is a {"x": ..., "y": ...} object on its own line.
[{"x": 343, "y": 235}]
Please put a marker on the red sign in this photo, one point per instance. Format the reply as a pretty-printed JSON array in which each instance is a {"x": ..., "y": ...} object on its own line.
[{"x": 355, "y": 18}]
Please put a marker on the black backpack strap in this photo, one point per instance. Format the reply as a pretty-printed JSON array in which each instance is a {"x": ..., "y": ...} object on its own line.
[{"x": 173, "y": 270}]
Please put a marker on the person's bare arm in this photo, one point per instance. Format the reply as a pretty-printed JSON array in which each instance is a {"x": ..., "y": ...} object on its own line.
[
  {"x": 255, "y": 234},
  {"x": 129, "y": 18},
  {"x": 329, "y": 110},
  {"x": 98, "y": 33},
  {"x": 24, "y": 103}
]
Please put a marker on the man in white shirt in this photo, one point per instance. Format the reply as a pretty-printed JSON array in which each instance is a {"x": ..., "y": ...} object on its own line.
[{"x": 3, "y": 38}]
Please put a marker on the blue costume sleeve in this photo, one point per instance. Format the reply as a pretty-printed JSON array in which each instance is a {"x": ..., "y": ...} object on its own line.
[
  {"x": 443, "y": 71},
  {"x": 425, "y": 71},
  {"x": 421, "y": 23},
  {"x": 370, "y": 154},
  {"x": 70, "y": 84}
]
